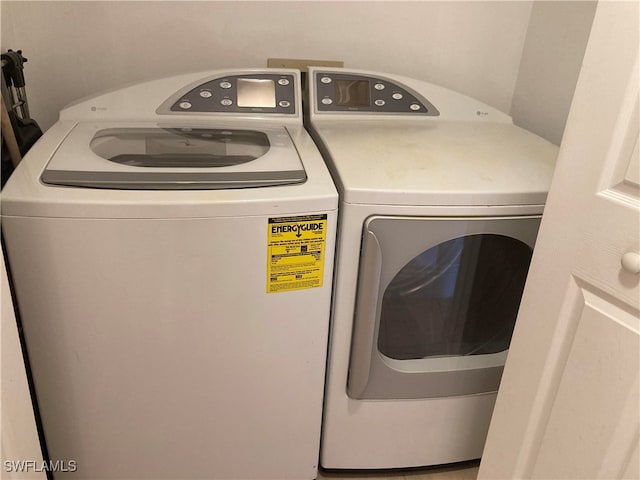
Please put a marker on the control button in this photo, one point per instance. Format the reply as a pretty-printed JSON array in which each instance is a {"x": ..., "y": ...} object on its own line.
[
  {"x": 379, "y": 86},
  {"x": 326, "y": 80},
  {"x": 283, "y": 82},
  {"x": 225, "y": 85},
  {"x": 397, "y": 96},
  {"x": 226, "y": 102},
  {"x": 327, "y": 101},
  {"x": 206, "y": 94},
  {"x": 185, "y": 105},
  {"x": 379, "y": 103},
  {"x": 414, "y": 106},
  {"x": 284, "y": 103}
]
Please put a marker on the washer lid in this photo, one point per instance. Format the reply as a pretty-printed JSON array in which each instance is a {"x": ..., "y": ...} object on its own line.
[{"x": 164, "y": 157}]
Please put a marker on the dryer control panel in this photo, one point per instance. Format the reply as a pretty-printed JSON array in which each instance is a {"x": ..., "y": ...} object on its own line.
[
  {"x": 340, "y": 92},
  {"x": 250, "y": 93}
]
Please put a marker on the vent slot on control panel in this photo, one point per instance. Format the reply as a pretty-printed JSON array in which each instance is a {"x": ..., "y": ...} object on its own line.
[
  {"x": 343, "y": 92},
  {"x": 251, "y": 93}
]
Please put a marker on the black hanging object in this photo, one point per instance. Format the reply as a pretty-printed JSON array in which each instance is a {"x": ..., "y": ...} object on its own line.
[{"x": 25, "y": 129}]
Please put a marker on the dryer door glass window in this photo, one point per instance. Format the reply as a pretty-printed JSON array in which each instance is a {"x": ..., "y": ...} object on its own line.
[
  {"x": 460, "y": 297},
  {"x": 436, "y": 304},
  {"x": 180, "y": 147}
]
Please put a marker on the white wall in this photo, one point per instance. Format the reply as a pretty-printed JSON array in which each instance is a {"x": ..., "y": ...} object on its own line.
[
  {"x": 551, "y": 60},
  {"x": 79, "y": 48},
  {"x": 19, "y": 438}
]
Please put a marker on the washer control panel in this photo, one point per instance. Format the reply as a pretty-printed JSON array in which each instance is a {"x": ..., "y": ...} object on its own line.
[
  {"x": 343, "y": 92},
  {"x": 252, "y": 93}
]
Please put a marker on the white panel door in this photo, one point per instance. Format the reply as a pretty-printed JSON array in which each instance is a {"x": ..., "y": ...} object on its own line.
[{"x": 568, "y": 402}]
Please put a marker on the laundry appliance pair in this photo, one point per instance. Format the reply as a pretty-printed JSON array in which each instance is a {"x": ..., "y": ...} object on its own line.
[{"x": 172, "y": 244}]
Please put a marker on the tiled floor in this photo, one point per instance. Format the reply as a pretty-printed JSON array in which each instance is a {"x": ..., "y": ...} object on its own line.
[{"x": 460, "y": 471}]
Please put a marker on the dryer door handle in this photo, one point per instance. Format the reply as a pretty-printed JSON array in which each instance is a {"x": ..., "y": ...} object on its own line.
[{"x": 365, "y": 317}]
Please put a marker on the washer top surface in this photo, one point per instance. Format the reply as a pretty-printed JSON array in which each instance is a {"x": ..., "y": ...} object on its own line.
[
  {"x": 392, "y": 140},
  {"x": 217, "y": 143}
]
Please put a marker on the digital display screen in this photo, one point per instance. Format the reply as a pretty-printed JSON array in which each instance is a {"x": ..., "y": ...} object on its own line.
[
  {"x": 256, "y": 93},
  {"x": 352, "y": 93}
]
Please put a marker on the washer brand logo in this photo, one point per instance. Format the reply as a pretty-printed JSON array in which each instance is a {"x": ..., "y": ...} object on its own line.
[{"x": 298, "y": 229}]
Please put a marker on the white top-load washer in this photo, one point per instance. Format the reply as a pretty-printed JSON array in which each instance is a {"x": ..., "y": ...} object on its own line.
[
  {"x": 440, "y": 202},
  {"x": 171, "y": 246}
]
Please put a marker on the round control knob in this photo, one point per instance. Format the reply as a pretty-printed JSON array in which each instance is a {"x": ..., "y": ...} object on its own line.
[
  {"x": 283, "y": 82},
  {"x": 326, "y": 80},
  {"x": 185, "y": 105},
  {"x": 225, "y": 85},
  {"x": 327, "y": 101},
  {"x": 284, "y": 103},
  {"x": 379, "y": 103},
  {"x": 226, "y": 102},
  {"x": 630, "y": 262},
  {"x": 379, "y": 86},
  {"x": 397, "y": 96},
  {"x": 206, "y": 94},
  {"x": 414, "y": 106}
]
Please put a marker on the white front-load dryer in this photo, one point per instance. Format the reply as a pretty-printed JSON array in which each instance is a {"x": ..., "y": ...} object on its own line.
[
  {"x": 440, "y": 202},
  {"x": 171, "y": 247}
]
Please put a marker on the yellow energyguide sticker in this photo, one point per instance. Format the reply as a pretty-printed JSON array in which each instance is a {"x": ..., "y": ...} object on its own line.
[{"x": 295, "y": 252}]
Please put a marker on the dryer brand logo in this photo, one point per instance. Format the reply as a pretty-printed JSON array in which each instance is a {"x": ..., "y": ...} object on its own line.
[
  {"x": 299, "y": 228},
  {"x": 295, "y": 252}
]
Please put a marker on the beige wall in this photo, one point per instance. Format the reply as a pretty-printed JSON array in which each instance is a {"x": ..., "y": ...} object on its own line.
[
  {"x": 551, "y": 60},
  {"x": 79, "y": 48}
]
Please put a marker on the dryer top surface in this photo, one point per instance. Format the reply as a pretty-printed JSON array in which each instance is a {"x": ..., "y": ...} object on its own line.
[{"x": 394, "y": 162}]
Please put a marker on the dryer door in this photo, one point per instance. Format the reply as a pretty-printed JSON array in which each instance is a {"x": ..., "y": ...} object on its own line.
[{"x": 436, "y": 304}]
